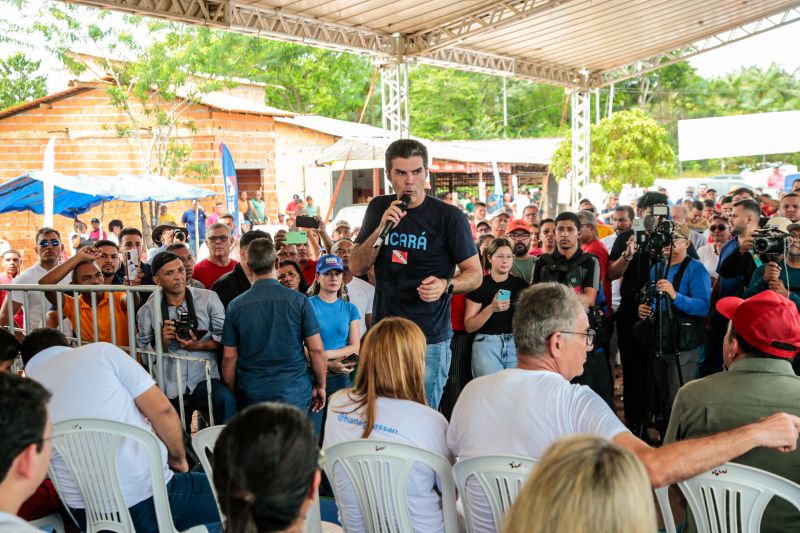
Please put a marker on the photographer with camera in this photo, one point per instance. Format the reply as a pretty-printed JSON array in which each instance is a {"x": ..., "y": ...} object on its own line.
[
  {"x": 782, "y": 273},
  {"x": 192, "y": 326},
  {"x": 677, "y": 303},
  {"x": 163, "y": 235}
]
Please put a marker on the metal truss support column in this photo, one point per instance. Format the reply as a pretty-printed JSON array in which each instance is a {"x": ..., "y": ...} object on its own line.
[
  {"x": 581, "y": 143},
  {"x": 394, "y": 98}
]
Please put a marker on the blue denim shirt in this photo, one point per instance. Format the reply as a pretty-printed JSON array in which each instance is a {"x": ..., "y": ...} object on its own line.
[{"x": 267, "y": 324}]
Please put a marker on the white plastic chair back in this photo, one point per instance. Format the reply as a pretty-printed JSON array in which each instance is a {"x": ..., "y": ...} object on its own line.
[
  {"x": 662, "y": 495},
  {"x": 734, "y": 495},
  {"x": 203, "y": 443},
  {"x": 379, "y": 473},
  {"x": 501, "y": 478},
  {"x": 89, "y": 448}
]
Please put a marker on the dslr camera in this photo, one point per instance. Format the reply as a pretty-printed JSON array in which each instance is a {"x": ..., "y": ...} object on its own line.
[
  {"x": 659, "y": 230},
  {"x": 185, "y": 325},
  {"x": 179, "y": 235},
  {"x": 770, "y": 242}
]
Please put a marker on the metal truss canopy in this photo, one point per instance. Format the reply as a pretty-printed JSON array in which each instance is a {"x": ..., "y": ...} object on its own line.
[{"x": 579, "y": 44}]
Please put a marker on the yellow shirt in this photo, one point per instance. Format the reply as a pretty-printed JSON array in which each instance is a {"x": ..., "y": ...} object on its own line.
[{"x": 103, "y": 317}]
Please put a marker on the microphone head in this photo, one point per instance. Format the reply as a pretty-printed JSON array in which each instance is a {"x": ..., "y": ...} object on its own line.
[{"x": 405, "y": 199}]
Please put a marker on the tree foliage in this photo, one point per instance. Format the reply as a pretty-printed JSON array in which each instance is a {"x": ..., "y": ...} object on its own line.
[
  {"x": 630, "y": 147},
  {"x": 19, "y": 81}
]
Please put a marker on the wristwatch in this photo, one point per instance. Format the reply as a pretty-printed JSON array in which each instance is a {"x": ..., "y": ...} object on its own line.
[{"x": 450, "y": 287}]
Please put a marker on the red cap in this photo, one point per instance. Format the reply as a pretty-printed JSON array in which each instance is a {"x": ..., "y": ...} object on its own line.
[
  {"x": 768, "y": 321},
  {"x": 518, "y": 224}
]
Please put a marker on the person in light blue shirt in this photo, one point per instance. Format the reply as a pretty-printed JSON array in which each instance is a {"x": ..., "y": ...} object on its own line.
[{"x": 338, "y": 326}]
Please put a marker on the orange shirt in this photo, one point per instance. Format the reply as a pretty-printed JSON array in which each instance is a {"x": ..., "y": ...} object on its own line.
[{"x": 103, "y": 317}]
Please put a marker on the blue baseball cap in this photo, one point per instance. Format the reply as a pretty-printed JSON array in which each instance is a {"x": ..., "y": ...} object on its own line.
[{"x": 329, "y": 262}]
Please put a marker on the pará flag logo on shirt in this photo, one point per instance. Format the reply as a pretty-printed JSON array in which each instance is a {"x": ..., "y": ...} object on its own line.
[
  {"x": 399, "y": 256},
  {"x": 231, "y": 185}
]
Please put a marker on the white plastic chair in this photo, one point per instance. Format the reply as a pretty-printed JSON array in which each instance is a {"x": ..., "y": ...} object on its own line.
[
  {"x": 89, "y": 448},
  {"x": 52, "y": 521},
  {"x": 203, "y": 443},
  {"x": 379, "y": 473},
  {"x": 733, "y": 494},
  {"x": 662, "y": 495},
  {"x": 501, "y": 478}
]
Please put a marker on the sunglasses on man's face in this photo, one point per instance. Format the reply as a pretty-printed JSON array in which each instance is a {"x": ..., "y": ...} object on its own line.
[
  {"x": 44, "y": 243},
  {"x": 718, "y": 227}
]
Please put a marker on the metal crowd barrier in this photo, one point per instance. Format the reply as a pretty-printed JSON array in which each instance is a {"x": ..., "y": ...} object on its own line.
[{"x": 153, "y": 359}]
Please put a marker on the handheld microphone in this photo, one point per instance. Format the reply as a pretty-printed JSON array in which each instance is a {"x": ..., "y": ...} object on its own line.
[{"x": 390, "y": 223}]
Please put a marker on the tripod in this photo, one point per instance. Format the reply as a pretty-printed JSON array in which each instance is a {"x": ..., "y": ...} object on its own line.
[{"x": 658, "y": 408}]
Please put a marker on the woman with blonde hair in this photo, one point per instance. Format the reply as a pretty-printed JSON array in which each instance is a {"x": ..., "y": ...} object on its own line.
[
  {"x": 583, "y": 484},
  {"x": 387, "y": 403}
]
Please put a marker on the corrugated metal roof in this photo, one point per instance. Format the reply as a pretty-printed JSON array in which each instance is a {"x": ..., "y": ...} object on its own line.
[
  {"x": 577, "y": 43},
  {"x": 215, "y": 100},
  {"x": 513, "y": 151},
  {"x": 335, "y": 127}
]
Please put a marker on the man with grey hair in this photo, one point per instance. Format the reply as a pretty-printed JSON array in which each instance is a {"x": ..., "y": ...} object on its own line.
[
  {"x": 522, "y": 411},
  {"x": 218, "y": 262}
]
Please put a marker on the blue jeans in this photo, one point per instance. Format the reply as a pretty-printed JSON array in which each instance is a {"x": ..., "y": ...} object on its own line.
[
  {"x": 222, "y": 400},
  {"x": 493, "y": 353},
  {"x": 437, "y": 366},
  {"x": 190, "y": 500},
  {"x": 333, "y": 384}
]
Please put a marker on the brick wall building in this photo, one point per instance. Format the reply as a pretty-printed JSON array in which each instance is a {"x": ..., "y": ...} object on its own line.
[{"x": 82, "y": 121}]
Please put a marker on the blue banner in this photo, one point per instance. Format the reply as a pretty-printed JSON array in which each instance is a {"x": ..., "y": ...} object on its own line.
[{"x": 231, "y": 185}]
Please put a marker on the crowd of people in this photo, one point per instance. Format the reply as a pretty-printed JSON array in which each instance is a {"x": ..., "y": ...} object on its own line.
[{"x": 495, "y": 334}]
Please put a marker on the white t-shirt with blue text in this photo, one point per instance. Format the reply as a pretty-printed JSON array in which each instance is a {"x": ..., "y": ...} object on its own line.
[{"x": 400, "y": 421}]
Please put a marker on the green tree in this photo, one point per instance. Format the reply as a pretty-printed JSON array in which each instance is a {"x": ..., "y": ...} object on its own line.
[
  {"x": 630, "y": 147},
  {"x": 19, "y": 81}
]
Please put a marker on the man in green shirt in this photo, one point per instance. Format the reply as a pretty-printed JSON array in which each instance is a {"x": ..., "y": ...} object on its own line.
[
  {"x": 762, "y": 340},
  {"x": 519, "y": 233}
]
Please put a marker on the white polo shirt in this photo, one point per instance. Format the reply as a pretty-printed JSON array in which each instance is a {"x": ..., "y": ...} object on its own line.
[
  {"x": 33, "y": 311},
  {"x": 98, "y": 381}
]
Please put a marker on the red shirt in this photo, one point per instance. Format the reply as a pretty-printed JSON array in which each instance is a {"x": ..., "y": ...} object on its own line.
[
  {"x": 310, "y": 271},
  {"x": 598, "y": 249},
  {"x": 7, "y": 280},
  {"x": 458, "y": 304},
  {"x": 207, "y": 272}
]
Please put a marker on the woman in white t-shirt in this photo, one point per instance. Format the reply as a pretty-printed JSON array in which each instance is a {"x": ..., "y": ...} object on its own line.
[{"x": 388, "y": 403}]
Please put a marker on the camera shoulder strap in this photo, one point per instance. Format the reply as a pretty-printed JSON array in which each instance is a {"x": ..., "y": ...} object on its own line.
[
  {"x": 676, "y": 281},
  {"x": 189, "y": 306}
]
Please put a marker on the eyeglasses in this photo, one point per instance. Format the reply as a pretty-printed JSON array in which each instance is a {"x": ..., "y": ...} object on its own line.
[
  {"x": 218, "y": 238},
  {"x": 518, "y": 236},
  {"x": 589, "y": 334},
  {"x": 718, "y": 227},
  {"x": 44, "y": 243}
]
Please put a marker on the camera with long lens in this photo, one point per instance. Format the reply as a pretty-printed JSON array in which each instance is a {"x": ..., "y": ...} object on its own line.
[
  {"x": 185, "y": 325},
  {"x": 179, "y": 235},
  {"x": 770, "y": 242}
]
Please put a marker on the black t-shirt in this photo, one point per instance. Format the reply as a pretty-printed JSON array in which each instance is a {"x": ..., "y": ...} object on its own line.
[
  {"x": 581, "y": 271},
  {"x": 430, "y": 240},
  {"x": 499, "y": 322}
]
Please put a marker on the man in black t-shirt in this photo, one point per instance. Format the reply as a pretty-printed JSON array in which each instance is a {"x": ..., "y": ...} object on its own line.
[
  {"x": 571, "y": 266},
  {"x": 415, "y": 269},
  {"x": 568, "y": 264}
]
